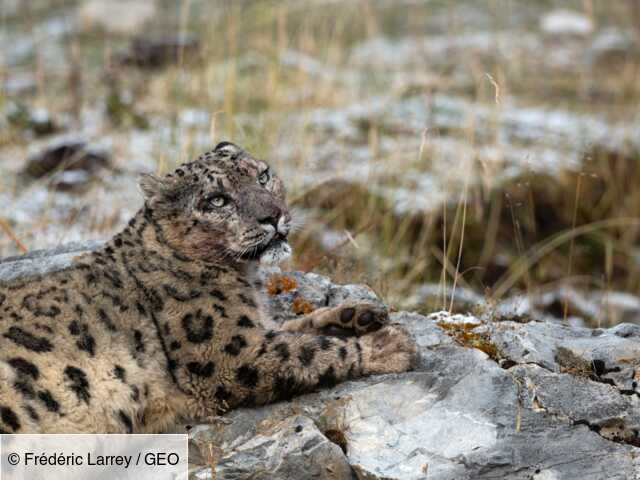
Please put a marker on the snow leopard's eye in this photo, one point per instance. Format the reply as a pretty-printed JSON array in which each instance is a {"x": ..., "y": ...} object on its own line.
[
  {"x": 264, "y": 177},
  {"x": 218, "y": 201},
  {"x": 213, "y": 201}
]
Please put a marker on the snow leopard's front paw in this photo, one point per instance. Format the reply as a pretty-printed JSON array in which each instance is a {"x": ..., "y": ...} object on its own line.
[{"x": 389, "y": 350}]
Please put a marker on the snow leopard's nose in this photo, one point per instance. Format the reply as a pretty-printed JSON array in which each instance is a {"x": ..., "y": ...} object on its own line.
[
  {"x": 278, "y": 223},
  {"x": 284, "y": 225},
  {"x": 271, "y": 216}
]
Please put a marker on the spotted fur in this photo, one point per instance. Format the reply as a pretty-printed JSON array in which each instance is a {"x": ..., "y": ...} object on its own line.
[{"x": 165, "y": 322}]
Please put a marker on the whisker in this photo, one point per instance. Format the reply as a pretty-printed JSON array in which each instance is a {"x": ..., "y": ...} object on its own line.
[{"x": 298, "y": 219}]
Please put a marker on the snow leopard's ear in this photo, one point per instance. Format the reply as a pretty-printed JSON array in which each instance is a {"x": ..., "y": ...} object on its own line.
[
  {"x": 156, "y": 189},
  {"x": 151, "y": 186}
]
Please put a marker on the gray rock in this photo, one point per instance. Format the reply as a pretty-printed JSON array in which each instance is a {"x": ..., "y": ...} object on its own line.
[
  {"x": 489, "y": 399},
  {"x": 593, "y": 307},
  {"x": 313, "y": 290},
  {"x": 554, "y": 346},
  {"x": 589, "y": 402},
  {"x": 71, "y": 180},
  {"x": 37, "y": 121},
  {"x": 16, "y": 83},
  {"x": 611, "y": 45},
  {"x": 66, "y": 154},
  {"x": 156, "y": 52},
  {"x": 108, "y": 15},
  {"x": 566, "y": 22},
  {"x": 293, "y": 448},
  {"x": 41, "y": 262}
]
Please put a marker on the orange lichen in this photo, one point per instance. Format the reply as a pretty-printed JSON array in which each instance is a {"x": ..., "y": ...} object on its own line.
[
  {"x": 278, "y": 284},
  {"x": 457, "y": 327},
  {"x": 463, "y": 334},
  {"x": 301, "y": 306}
]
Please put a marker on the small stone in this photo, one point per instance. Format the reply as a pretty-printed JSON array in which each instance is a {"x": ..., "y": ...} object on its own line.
[
  {"x": 566, "y": 22},
  {"x": 64, "y": 156},
  {"x": 71, "y": 181},
  {"x": 120, "y": 17},
  {"x": 38, "y": 121},
  {"x": 16, "y": 83},
  {"x": 157, "y": 52},
  {"x": 611, "y": 45}
]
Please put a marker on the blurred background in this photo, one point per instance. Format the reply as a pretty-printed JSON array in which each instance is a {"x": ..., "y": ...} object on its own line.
[{"x": 473, "y": 155}]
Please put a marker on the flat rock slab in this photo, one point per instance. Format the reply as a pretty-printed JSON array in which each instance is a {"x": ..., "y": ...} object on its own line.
[
  {"x": 41, "y": 262},
  {"x": 290, "y": 447},
  {"x": 489, "y": 400}
]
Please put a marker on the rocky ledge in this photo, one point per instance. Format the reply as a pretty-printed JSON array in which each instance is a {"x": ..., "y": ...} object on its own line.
[{"x": 491, "y": 398}]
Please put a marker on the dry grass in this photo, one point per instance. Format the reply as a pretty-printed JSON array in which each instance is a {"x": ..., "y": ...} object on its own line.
[{"x": 262, "y": 63}]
